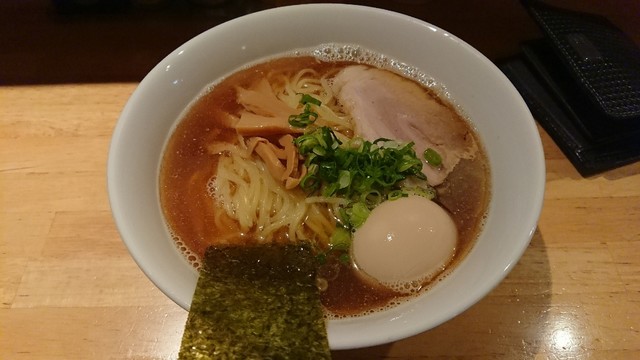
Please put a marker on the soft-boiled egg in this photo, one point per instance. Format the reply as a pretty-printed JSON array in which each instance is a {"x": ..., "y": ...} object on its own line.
[{"x": 405, "y": 240}]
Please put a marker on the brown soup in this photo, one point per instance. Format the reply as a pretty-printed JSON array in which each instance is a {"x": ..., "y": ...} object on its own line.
[{"x": 193, "y": 215}]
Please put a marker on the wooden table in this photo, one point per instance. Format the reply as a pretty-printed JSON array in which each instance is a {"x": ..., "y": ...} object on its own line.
[{"x": 70, "y": 290}]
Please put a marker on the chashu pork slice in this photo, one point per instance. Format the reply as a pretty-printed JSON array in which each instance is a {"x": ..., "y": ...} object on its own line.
[{"x": 386, "y": 105}]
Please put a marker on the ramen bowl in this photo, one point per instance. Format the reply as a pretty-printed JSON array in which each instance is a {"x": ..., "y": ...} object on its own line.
[{"x": 492, "y": 105}]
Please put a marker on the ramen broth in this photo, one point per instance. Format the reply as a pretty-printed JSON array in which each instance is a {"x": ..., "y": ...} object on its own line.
[{"x": 190, "y": 210}]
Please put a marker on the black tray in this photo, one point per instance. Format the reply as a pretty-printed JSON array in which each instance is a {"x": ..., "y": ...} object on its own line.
[{"x": 582, "y": 84}]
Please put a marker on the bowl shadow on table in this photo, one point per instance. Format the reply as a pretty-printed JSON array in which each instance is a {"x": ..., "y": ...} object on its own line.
[{"x": 510, "y": 322}]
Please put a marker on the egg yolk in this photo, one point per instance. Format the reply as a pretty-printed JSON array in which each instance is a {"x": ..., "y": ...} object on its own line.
[{"x": 405, "y": 240}]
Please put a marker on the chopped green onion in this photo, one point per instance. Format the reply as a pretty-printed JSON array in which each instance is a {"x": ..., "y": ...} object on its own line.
[
  {"x": 433, "y": 158},
  {"x": 308, "y": 99},
  {"x": 319, "y": 150},
  {"x": 340, "y": 239},
  {"x": 358, "y": 214},
  {"x": 344, "y": 258},
  {"x": 427, "y": 191},
  {"x": 372, "y": 198},
  {"x": 359, "y": 171},
  {"x": 307, "y": 116},
  {"x": 396, "y": 194},
  {"x": 344, "y": 178},
  {"x": 364, "y": 173}
]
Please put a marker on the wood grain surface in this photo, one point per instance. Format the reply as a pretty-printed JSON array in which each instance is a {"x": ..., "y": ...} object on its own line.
[{"x": 70, "y": 290}]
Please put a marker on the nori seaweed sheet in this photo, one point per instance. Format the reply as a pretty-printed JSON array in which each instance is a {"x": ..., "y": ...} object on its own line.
[{"x": 256, "y": 302}]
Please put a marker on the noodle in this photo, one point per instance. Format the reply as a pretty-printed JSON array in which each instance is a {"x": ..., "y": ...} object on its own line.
[
  {"x": 262, "y": 206},
  {"x": 242, "y": 187}
]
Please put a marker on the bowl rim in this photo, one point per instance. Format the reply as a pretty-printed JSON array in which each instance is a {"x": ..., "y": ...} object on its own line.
[{"x": 537, "y": 163}]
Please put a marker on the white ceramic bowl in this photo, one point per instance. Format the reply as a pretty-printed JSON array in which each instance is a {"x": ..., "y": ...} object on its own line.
[{"x": 484, "y": 93}]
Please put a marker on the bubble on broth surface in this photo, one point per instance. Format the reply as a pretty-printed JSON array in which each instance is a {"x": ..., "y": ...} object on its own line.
[
  {"x": 359, "y": 54},
  {"x": 190, "y": 256},
  {"x": 410, "y": 290}
]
